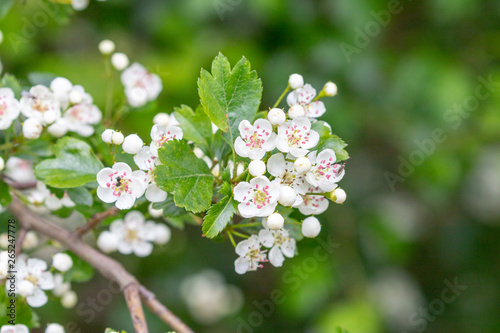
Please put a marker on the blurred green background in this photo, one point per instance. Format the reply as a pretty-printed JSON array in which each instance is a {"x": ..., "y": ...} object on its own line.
[{"x": 420, "y": 213}]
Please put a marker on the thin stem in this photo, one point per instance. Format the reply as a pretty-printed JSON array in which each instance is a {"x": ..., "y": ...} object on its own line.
[
  {"x": 240, "y": 234},
  {"x": 133, "y": 299},
  {"x": 95, "y": 220},
  {"x": 231, "y": 238},
  {"x": 246, "y": 225},
  {"x": 281, "y": 97}
]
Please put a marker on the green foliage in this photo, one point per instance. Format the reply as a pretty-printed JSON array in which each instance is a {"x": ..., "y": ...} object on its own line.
[
  {"x": 75, "y": 165},
  {"x": 9, "y": 80},
  {"x": 229, "y": 96},
  {"x": 185, "y": 175},
  {"x": 5, "y": 6},
  {"x": 195, "y": 125},
  {"x": 169, "y": 208},
  {"x": 330, "y": 141},
  {"x": 81, "y": 270},
  {"x": 4, "y": 194},
  {"x": 220, "y": 214},
  {"x": 80, "y": 196}
]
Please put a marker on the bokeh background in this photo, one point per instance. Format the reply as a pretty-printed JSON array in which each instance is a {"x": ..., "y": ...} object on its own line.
[{"x": 420, "y": 213}]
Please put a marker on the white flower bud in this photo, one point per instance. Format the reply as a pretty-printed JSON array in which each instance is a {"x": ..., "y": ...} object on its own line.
[
  {"x": 276, "y": 116},
  {"x": 162, "y": 234},
  {"x": 69, "y": 299},
  {"x": 275, "y": 221},
  {"x": 79, "y": 5},
  {"x": 54, "y": 328},
  {"x": 106, "y": 47},
  {"x": 49, "y": 116},
  {"x": 119, "y": 60},
  {"x": 117, "y": 138},
  {"x": 107, "y": 135},
  {"x": 216, "y": 170},
  {"x": 58, "y": 128},
  {"x": 137, "y": 97},
  {"x": 75, "y": 97},
  {"x": 26, "y": 288},
  {"x": 155, "y": 213},
  {"x": 132, "y": 144},
  {"x": 296, "y": 81},
  {"x": 53, "y": 202},
  {"x": 62, "y": 262},
  {"x": 296, "y": 111},
  {"x": 330, "y": 89},
  {"x": 30, "y": 240},
  {"x": 288, "y": 196},
  {"x": 338, "y": 196},
  {"x": 302, "y": 165},
  {"x": 162, "y": 119},
  {"x": 311, "y": 227},
  {"x": 32, "y": 129},
  {"x": 2, "y": 164},
  {"x": 4, "y": 240},
  {"x": 107, "y": 242},
  {"x": 61, "y": 85},
  {"x": 257, "y": 168},
  {"x": 240, "y": 168}
]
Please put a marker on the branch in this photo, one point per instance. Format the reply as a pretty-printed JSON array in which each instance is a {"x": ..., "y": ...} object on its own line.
[
  {"x": 95, "y": 220},
  {"x": 108, "y": 267},
  {"x": 135, "y": 308}
]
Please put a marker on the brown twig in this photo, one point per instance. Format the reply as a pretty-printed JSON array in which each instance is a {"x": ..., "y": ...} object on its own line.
[
  {"x": 108, "y": 267},
  {"x": 19, "y": 186},
  {"x": 95, "y": 220},
  {"x": 135, "y": 308}
]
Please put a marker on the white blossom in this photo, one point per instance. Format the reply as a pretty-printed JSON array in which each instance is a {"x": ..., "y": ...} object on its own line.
[
  {"x": 285, "y": 173},
  {"x": 107, "y": 242},
  {"x": 302, "y": 165},
  {"x": 255, "y": 140},
  {"x": 35, "y": 271},
  {"x": 18, "y": 328},
  {"x": 9, "y": 108},
  {"x": 330, "y": 89},
  {"x": 20, "y": 170},
  {"x": 281, "y": 244},
  {"x": 296, "y": 137},
  {"x": 32, "y": 128},
  {"x": 296, "y": 81},
  {"x": 4, "y": 264},
  {"x": 117, "y": 138},
  {"x": 324, "y": 173},
  {"x": 41, "y": 104},
  {"x": 119, "y": 60},
  {"x": 132, "y": 144},
  {"x": 106, "y": 47},
  {"x": 148, "y": 162},
  {"x": 275, "y": 221},
  {"x": 250, "y": 254},
  {"x": 259, "y": 197},
  {"x": 313, "y": 204},
  {"x": 304, "y": 97},
  {"x": 257, "y": 168},
  {"x": 62, "y": 262},
  {"x": 77, "y": 5},
  {"x": 107, "y": 135},
  {"x": 276, "y": 116},
  {"x": 311, "y": 227},
  {"x": 161, "y": 134},
  {"x": 296, "y": 111},
  {"x": 338, "y": 196},
  {"x": 69, "y": 299},
  {"x": 140, "y": 85},
  {"x": 80, "y": 118},
  {"x": 55, "y": 328},
  {"x": 288, "y": 196}
]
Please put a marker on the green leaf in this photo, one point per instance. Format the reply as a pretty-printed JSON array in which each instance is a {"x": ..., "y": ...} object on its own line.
[
  {"x": 229, "y": 96},
  {"x": 220, "y": 214},
  {"x": 81, "y": 270},
  {"x": 75, "y": 165},
  {"x": 5, "y": 197},
  {"x": 10, "y": 81},
  {"x": 185, "y": 175},
  {"x": 169, "y": 208},
  {"x": 337, "y": 145},
  {"x": 42, "y": 78},
  {"x": 80, "y": 196},
  {"x": 195, "y": 125}
]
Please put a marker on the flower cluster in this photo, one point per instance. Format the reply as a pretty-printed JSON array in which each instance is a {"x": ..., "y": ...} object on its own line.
[{"x": 20, "y": 328}]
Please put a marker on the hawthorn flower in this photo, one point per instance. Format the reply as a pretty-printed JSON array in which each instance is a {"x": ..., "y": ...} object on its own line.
[
  {"x": 34, "y": 277},
  {"x": 32, "y": 128},
  {"x": 80, "y": 118},
  {"x": 255, "y": 140},
  {"x": 62, "y": 262},
  {"x": 4, "y": 264},
  {"x": 41, "y": 104},
  {"x": 135, "y": 234},
  {"x": 18, "y": 328},
  {"x": 161, "y": 134},
  {"x": 281, "y": 245},
  {"x": 147, "y": 162},
  {"x": 311, "y": 227},
  {"x": 259, "y": 197},
  {"x": 20, "y": 170},
  {"x": 119, "y": 184},
  {"x": 140, "y": 85},
  {"x": 285, "y": 173},
  {"x": 250, "y": 254},
  {"x": 313, "y": 204},
  {"x": 119, "y": 60},
  {"x": 304, "y": 97},
  {"x": 9, "y": 108},
  {"x": 324, "y": 172},
  {"x": 296, "y": 137}
]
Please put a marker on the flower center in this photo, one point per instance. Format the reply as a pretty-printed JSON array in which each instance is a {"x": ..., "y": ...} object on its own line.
[
  {"x": 131, "y": 236},
  {"x": 38, "y": 105},
  {"x": 297, "y": 136},
  {"x": 31, "y": 278}
]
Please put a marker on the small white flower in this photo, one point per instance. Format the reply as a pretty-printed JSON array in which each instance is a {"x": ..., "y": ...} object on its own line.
[
  {"x": 119, "y": 184},
  {"x": 19, "y": 328},
  {"x": 162, "y": 234},
  {"x": 296, "y": 111},
  {"x": 119, "y": 61},
  {"x": 296, "y": 81},
  {"x": 9, "y": 108},
  {"x": 147, "y": 162},
  {"x": 311, "y": 227},
  {"x": 255, "y": 140},
  {"x": 140, "y": 85},
  {"x": 58, "y": 128},
  {"x": 107, "y": 135},
  {"x": 75, "y": 97},
  {"x": 117, "y": 138},
  {"x": 275, "y": 221},
  {"x": 155, "y": 213},
  {"x": 162, "y": 119},
  {"x": 296, "y": 137},
  {"x": 41, "y": 104},
  {"x": 250, "y": 254},
  {"x": 107, "y": 242},
  {"x": 330, "y": 89},
  {"x": 313, "y": 205},
  {"x": 285, "y": 173},
  {"x": 30, "y": 240},
  {"x": 257, "y": 168},
  {"x": 55, "y": 328},
  {"x": 324, "y": 173},
  {"x": 106, "y": 47},
  {"x": 35, "y": 271},
  {"x": 276, "y": 116},
  {"x": 20, "y": 170},
  {"x": 302, "y": 165},
  {"x": 161, "y": 134},
  {"x": 80, "y": 118},
  {"x": 69, "y": 299},
  {"x": 62, "y": 262},
  {"x": 132, "y": 144},
  {"x": 281, "y": 245},
  {"x": 26, "y": 288},
  {"x": 257, "y": 198},
  {"x": 32, "y": 128},
  {"x": 77, "y": 5},
  {"x": 338, "y": 196},
  {"x": 61, "y": 87},
  {"x": 60, "y": 287},
  {"x": 304, "y": 97}
]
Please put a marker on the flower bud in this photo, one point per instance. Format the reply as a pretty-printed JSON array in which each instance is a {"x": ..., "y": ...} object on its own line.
[
  {"x": 4, "y": 240},
  {"x": 330, "y": 89},
  {"x": 32, "y": 129},
  {"x": 49, "y": 116},
  {"x": 240, "y": 168},
  {"x": 26, "y": 288},
  {"x": 106, "y": 47},
  {"x": 216, "y": 170},
  {"x": 162, "y": 234},
  {"x": 338, "y": 196},
  {"x": 2, "y": 164},
  {"x": 107, "y": 242},
  {"x": 276, "y": 116},
  {"x": 257, "y": 168},
  {"x": 75, "y": 97},
  {"x": 61, "y": 85},
  {"x": 62, "y": 262},
  {"x": 275, "y": 221},
  {"x": 288, "y": 196},
  {"x": 79, "y": 5},
  {"x": 132, "y": 144},
  {"x": 296, "y": 81},
  {"x": 155, "y": 213},
  {"x": 162, "y": 119},
  {"x": 54, "y": 328},
  {"x": 119, "y": 61},
  {"x": 69, "y": 300},
  {"x": 311, "y": 227},
  {"x": 302, "y": 165},
  {"x": 107, "y": 135},
  {"x": 296, "y": 111},
  {"x": 58, "y": 128},
  {"x": 117, "y": 138},
  {"x": 30, "y": 240}
]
